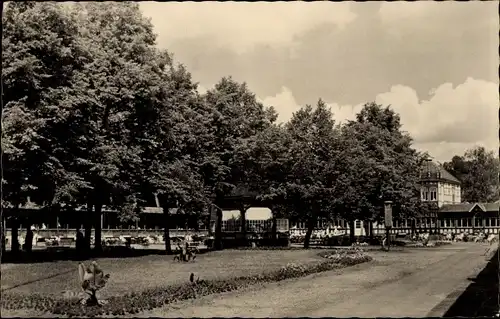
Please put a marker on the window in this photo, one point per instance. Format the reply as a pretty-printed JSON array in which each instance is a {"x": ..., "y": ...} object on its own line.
[
  {"x": 494, "y": 222},
  {"x": 469, "y": 222},
  {"x": 441, "y": 223},
  {"x": 459, "y": 222},
  {"x": 487, "y": 222},
  {"x": 425, "y": 194},
  {"x": 478, "y": 222},
  {"x": 358, "y": 224},
  {"x": 433, "y": 193}
]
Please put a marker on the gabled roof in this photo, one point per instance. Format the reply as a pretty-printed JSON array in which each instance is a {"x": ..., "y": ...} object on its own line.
[
  {"x": 480, "y": 205},
  {"x": 468, "y": 207},
  {"x": 431, "y": 171}
]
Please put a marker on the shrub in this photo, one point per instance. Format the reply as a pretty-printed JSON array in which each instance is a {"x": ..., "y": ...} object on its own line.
[{"x": 152, "y": 298}]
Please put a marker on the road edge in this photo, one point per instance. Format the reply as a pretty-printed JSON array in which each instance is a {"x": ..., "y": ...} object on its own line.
[{"x": 441, "y": 308}]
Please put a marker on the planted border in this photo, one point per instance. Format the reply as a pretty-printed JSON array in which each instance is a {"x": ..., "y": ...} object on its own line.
[
  {"x": 156, "y": 297},
  {"x": 431, "y": 244}
]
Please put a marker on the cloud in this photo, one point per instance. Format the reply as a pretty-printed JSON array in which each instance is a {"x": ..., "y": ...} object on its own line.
[
  {"x": 241, "y": 25},
  {"x": 452, "y": 120},
  {"x": 201, "y": 89},
  {"x": 402, "y": 11},
  {"x": 420, "y": 45},
  {"x": 284, "y": 103},
  {"x": 466, "y": 113}
]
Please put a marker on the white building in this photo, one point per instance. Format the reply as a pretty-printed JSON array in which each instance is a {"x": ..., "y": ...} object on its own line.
[{"x": 438, "y": 185}]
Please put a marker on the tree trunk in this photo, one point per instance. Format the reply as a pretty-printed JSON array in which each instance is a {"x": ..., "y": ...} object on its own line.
[
  {"x": 310, "y": 227},
  {"x": 413, "y": 226},
  {"x": 4, "y": 230},
  {"x": 371, "y": 230},
  {"x": 243, "y": 221},
  {"x": 366, "y": 227},
  {"x": 28, "y": 239},
  {"x": 87, "y": 224},
  {"x": 166, "y": 230},
  {"x": 196, "y": 223},
  {"x": 14, "y": 234},
  {"x": 218, "y": 230},
  {"x": 274, "y": 230},
  {"x": 98, "y": 228},
  {"x": 352, "y": 233}
]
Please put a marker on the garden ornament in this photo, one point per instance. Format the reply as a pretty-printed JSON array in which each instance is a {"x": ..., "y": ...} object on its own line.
[{"x": 91, "y": 280}]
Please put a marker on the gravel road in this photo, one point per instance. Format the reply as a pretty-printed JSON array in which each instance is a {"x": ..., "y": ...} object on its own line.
[{"x": 406, "y": 283}]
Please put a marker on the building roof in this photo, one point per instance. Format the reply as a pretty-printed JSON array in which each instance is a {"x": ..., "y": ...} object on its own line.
[
  {"x": 431, "y": 171},
  {"x": 467, "y": 207}
]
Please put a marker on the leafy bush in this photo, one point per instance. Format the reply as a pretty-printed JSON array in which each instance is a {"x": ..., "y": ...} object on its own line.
[{"x": 157, "y": 297}]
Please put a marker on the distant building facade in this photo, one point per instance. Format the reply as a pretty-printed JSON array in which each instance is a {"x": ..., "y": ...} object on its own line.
[
  {"x": 446, "y": 213},
  {"x": 438, "y": 186}
]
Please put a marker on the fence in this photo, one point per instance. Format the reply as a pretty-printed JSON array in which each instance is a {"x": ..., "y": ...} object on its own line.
[
  {"x": 406, "y": 230},
  {"x": 109, "y": 232}
]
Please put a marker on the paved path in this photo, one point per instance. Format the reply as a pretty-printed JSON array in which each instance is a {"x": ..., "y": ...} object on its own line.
[{"x": 408, "y": 283}]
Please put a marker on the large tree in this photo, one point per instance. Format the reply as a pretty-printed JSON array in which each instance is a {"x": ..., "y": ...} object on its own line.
[
  {"x": 266, "y": 160},
  {"x": 477, "y": 169},
  {"x": 232, "y": 115},
  {"x": 386, "y": 166},
  {"x": 314, "y": 154},
  {"x": 41, "y": 53},
  {"x": 171, "y": 138},
  {"x": 120, "y": 88}
]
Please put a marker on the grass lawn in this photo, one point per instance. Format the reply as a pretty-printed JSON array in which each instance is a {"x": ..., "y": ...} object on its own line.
[{"x": 134, "y": 274}]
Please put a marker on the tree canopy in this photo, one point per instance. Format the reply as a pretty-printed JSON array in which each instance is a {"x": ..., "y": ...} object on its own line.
[
  {"x": 478, "y": 170},
  {"x": 97, "y": 115}
]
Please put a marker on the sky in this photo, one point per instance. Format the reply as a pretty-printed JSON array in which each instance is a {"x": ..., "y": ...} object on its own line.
[{"x": 435, "y": 63}]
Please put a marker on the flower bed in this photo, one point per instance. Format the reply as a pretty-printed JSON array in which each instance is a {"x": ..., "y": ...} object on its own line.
[
  {"x": 152, "y": 298},
  {"x": 346, "y": 257},
  {"x": 429, "y": 244}
]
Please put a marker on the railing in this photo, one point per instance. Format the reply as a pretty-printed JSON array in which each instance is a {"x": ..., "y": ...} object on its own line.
[
  {"x": 380, "y": 230},
  {"x": 109, "y": 232}
]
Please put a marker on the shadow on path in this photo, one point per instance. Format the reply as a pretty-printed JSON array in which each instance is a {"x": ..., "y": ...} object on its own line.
[
  {"x": 37, "y": 280},
  {"x": 481, "y": 296}
]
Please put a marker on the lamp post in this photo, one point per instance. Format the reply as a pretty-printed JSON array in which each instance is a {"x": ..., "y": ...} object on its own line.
[{"x": 388, "y": 221}]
